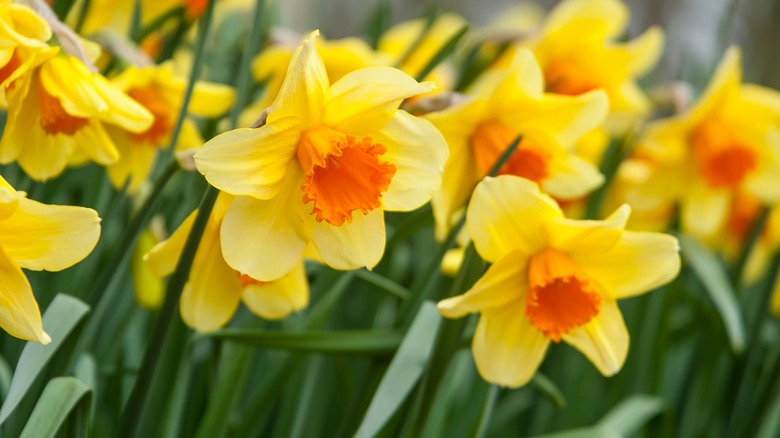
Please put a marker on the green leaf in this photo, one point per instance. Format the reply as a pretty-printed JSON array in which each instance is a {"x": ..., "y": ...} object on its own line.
[
  {"x": 61, "y": 397},
  {"x": 383, "y": 283},
  {"x": 546, "y": 386},
  {"x": 631, "y": 414},
  {"x": 5, "y": 377},
  {"x": 404, "y": 371},
  {"x": 716, "y": 282},
  {"x": 371, "y": 342},
  {"x": 60, "y": 319},
  {"x": 446, "y": 50}
]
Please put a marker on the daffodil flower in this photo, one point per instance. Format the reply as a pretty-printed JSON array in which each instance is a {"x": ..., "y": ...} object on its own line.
[
  {"x": 214, "y": 289},
  {"x": 160, "y": 91},
  {"x": 578, "y": 51},
  {"x": 502, "y": 105},
  {"x": 329, "y": 161},
  {"x": 729, "y": 142},
  {"x": 23, "y": 33},
  {"x": 37, "y": 237},
  {"x": 61, "y": 106},
  {"x": 552, "y": 279}
]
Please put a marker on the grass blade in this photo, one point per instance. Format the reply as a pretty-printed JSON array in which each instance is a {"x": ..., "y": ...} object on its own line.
[
  {"x": 62, "y": 397},
  {"x": 369, "y": 342}
]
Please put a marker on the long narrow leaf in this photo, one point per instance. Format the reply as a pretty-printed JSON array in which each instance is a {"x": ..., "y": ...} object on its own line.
[
  {"x": 62, "y": 397},
  {"x": 330, "y": 342}
]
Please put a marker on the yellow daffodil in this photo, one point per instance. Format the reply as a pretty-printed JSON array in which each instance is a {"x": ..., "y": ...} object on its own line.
[
  {"x": 502, "y": 105},
  {"x": 397, "y": 42},
  {"x": 728, "y": 142},
  {"x": 37, "y": 237},
  {"x": 578, "y": 51},
  {"x": 552, "y": 279},
  {"x": 23, "y": 33},
  {"x": 329, "y": 161},
  {"x": 214, "y": 289},
  {"x": 148, "y": 287},
  {"x": 340, "y": 57},
  {"x": 61, "y": 106},
  {"x": 160, "y": 91}
]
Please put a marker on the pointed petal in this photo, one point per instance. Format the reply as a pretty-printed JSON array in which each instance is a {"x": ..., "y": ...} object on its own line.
[
  {"x": 265, "y": 239},
  {"x": 704, "y": 210},
  {"x": 19, "y": 312},
  {"x": 639, "y": 262},
  {"x": 250, "y": 162},
  {"x": 572, "y": 177},
  {"x": 352, "y": 245},
  {"x": 418, "y": 152},
  {"x": 96, "y": 144},
  {"x": 163, "y": 258},
  {"x": 588, "y": 237},
  {"x": 364, "y": 100},
  {"x": 509, "y": 213},
  {"x": 603, "y": 18},
  {"x": 507, "y": 348},
  {"x": 279, "y": 298},
  {"x": 603, "y": 340},
  {"x": 503, "y": 283},
  {"x": 645, "y": 50}
]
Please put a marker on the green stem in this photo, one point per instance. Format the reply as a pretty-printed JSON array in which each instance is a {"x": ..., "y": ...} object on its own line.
[
  {"x": 134, "y": 407},
  {"x": 446, "y": 50},
  {"x": 251, "y": 49},
  {"x": 481, "y": 426}
]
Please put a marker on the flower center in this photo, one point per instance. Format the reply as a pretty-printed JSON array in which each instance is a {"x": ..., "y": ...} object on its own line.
[
  {"x": 492, "y": 138},
  {"x": 560, "y": 296},
  {"x": 151, "y": 100},
  {"x": 566, "y": 77},
  {"x": 343, "y": 174},
  {"x": 722, "y": 159},
  {"x": 54, "y": 119}
]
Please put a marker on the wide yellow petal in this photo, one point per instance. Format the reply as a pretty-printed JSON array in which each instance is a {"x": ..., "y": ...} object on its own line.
[
  {"x": 586, "y": 237},
  {"x": 249, "y": 161},
  {"x": 42, "y": 156},
  {"x": 135, "y": 164},
  {"x": 68, "y": 79},
  {"x": 724, "y": 84},
  {"x": 604, "y": 340},
  {"x": 210, "y": 99},
  {"x": 352, "y": 245},
  {"x": 418, "y": 152},
  {"x": 603, "y": 18},
  {"x": 365, "y": 100},
  {"x": 212, "y": 293},
  {"x": 9, "y": 199},
  {"x": 522, "y": 77},
  {"x": 19, "y": 312},
  {"x": 266, "y": 238},
  {"x": 572, "y": 177},
  {"x": 765, "y": 180},
  {"x": 704, "y": 210},
  {"x": 504, "y": 282},
  {"x": 122, "y": 110},
  {"x": 563, "y": 118},
  {"x": 639, "y": 262},
  {"x": 163, "y": 258},
  {"x": 149, "y": 288},
  {"x": 93, "y": 140},
  {"x": 507, "y": 348},
  {"x": 24, "y": 26},
  {"x": 302, "y": 94},
  {"x": 51, "y": 237},
  {"x": 509, "y": 213},
  {"x": 279, "y": 298}
]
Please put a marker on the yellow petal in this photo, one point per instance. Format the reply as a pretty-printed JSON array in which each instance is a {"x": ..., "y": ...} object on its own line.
[
  {"x": 51, "y": 237},
  {"x": 639, "y": 262},
  {"x": 266, "y": 238},
  {"x": 279, "y": 298},
  {"x": 9, "y": 199},
  {"x": 765, "y": 180},
  {"x": 69, "y": 80},
  {"x": 364, "y": 100},
  {"x": 725, "y": 82},
  {"x": 135, "y": 164},
  {"x": 507, "y": 348},
  {"x": 302, "y": 94},
  {"x": 587, "y": 237},
  {"x": 93, "y": 140},
  {"x": 509, "y": 213},
  {"x": 24, "y": 26},
  {"x": 645, "y": 50},
  {"x": 603, "y": 18},
  {"x": 563, "y": 118},
  {"x": 19, "y": 312},
  {"x": 704, "y": 210},
  {"x": 250, "y": 162},
  {"x": 352, "y": 245},
  {"x": 521, "y": 78},
  {"x": 504, "y": 282},
  {"x": 213, "y": 291},
  {"x": 603, "y": 340},
  {"x": 163, "y": 258},
  {"x": 122, "y": 110},
  {"x": 210, "y": 99},
  {"x": 418, "y": 152},
  {"x": 572, "y": 177},
  {"x": 43, "y": 156}
]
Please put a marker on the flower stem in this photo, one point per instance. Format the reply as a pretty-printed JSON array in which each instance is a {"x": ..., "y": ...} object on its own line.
[{"x": 132, "y": 412}]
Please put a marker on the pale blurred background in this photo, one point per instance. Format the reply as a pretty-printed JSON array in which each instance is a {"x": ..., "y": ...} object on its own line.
[{"x": 697, "y": 30}]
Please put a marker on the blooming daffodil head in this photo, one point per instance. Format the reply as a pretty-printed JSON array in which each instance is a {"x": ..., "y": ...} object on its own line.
[
  {"x": 322, "y": 170},
  {"x": 552, "y": 279}
]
